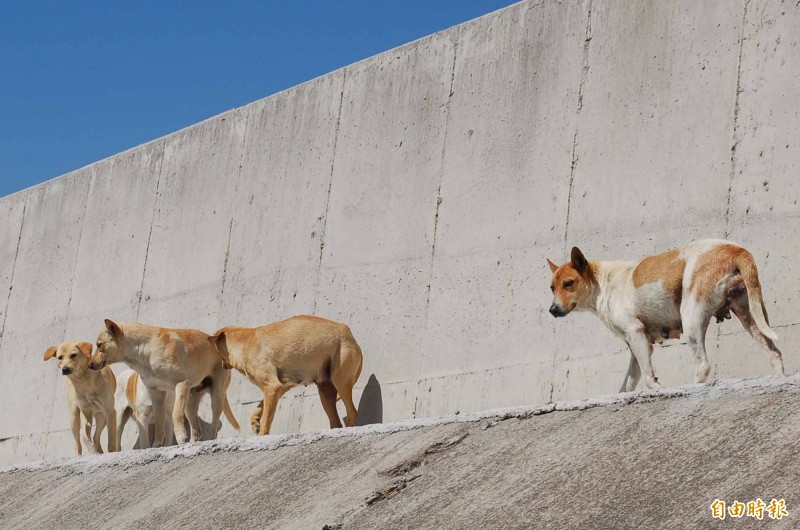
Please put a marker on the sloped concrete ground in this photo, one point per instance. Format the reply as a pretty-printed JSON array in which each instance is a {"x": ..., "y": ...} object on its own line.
[{"x": 636, "y": 460}]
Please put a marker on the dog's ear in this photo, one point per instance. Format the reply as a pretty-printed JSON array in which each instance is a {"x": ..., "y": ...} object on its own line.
[
  {"x": 553, "y": 266},
  {"x": 113, "y": 328},
  {"x": 579, "y": 261},
  {"x": 216, "y": 337},
  {"x": 50, "y": 353},
  {"x": 86, "y": 349}
]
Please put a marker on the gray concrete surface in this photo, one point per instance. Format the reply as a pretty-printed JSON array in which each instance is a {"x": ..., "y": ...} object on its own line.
[
  {"x": 415, "y": 196},
  {"x": 637, "y": 460}
]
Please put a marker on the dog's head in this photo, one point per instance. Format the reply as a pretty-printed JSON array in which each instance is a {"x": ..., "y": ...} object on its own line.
[
  {"x": 572, "y": 284},
  {"x": 72, "y": 357},
  {"x": 219, "y": 339},
  {"x": 109, "y": 349}
]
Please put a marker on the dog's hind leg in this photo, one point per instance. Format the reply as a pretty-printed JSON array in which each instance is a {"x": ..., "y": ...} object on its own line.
[
  {"x": 192, "y": 407},
  {"x": 255, "y": 417},
  {"x": 741, "y": 309},
  {"x": 75, "y": 416},
  {"x": 122, "y": 418},
  {"x": 633, "y": 376},
  {"x": 159, "y": 415},
  {"x": 695, "y": 318},
  {"x": 344, "y": 375},
  {"x": 327, "y": 395}
]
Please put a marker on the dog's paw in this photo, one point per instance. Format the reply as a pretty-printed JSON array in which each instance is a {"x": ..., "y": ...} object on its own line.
[{"x": 181, "y": 438}]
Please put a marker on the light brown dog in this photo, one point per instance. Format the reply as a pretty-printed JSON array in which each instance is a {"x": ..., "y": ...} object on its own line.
[
  {"x": 298, "y": 351},
  {"x": 90, "y": 395},
  {"x": 169, "y": 360}
]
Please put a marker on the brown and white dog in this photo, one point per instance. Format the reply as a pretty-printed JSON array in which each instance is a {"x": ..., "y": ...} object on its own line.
[
  {"x": 667, "y": 295},
  {"x": 90, "y": 395},
  {"x": 297, "y": 351},
  {"x": 167, "y": 360}
]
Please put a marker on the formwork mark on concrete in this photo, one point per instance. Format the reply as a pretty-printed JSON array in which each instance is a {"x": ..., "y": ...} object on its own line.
[
  {"x": 78, "y": 247},
  {"x": 432, "y": 260},
  {"x": 587, "y": 39},
  {"x": 227, "y": 258},
  {"x": 330, "y": 186},
  {"x": 230, "y": 224},
  {"x": 150, "y": 233},
  {"x": 14, "y": 267},
  {"x": 735, "y": 130}
]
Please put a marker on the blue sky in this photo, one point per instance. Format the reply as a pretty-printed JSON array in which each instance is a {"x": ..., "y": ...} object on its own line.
[{"x": 80, "y": 81}]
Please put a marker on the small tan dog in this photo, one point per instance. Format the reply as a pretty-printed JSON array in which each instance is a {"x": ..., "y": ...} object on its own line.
[
  {"x": 664, "y": 296},
  {"x": 298, "y": 351},
  {"x": 169, "y": 360},
  {"x": 133, "y": 402},
  {"x": 90, "y": 395}
]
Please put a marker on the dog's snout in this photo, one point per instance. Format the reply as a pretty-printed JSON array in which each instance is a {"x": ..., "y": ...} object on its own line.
[
  {"x": 94, "y": 366},
  {"x": 556, "y": 311},
  {"x": 66, "y": 371}
]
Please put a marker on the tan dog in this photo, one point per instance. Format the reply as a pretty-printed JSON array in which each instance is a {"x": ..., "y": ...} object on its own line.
[
  {"x": 169, "y": 360},
  {"x": 298, "y": 351},
  {"x": 90, "y": 395},
  {"x": 667, "y": 295}
]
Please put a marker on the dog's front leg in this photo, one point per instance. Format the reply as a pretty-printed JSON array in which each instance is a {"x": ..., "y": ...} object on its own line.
[
  {"x": 75, "y": 413},
  {"x": 182, "y": 390},
  {"x": 100, "y": 424},
  {"x": 633, "y": 376},
  {"x": 86, "y": 432},
  {"x": 111, "y": 422},
  {"x": 643, "y": 350},
  {"x": 159, "y": 415},
  {"x": 272, "y": 393}
]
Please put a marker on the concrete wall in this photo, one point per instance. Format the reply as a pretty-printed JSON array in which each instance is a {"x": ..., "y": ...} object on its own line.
[{"x": 415, "y": 196}]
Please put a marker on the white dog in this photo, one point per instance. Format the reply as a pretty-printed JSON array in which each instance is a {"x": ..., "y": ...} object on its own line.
[{"x": 667, "y": 295}]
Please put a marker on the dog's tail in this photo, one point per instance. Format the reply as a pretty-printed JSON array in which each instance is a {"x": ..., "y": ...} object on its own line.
[
  {"x": 226, "y": 407},
  {"x": 747, "y": 268}
]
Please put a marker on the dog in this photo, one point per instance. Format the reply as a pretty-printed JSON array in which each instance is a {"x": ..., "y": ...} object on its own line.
[
  {"x": 297, "y": 351},
  {"x": 132, "y": 401},
  {"x": 90, "y": 395},
  {"x": 665, "y": 296},
  {"x": 169, "y": 360}
]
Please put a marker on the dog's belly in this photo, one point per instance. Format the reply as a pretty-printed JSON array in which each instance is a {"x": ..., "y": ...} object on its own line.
[{"x": 661, "y": 319}]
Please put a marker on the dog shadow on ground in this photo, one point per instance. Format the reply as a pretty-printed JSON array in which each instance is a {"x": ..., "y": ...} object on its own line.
[{"x": 370, "y": 406}]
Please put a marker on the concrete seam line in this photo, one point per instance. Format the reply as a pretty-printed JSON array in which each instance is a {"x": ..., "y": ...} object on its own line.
[
  {"x": 14, "y": 267},
  {"x": 330, "y": 186},
  {"x": 587, "y": 38},
  {"x": 584, "y": 77},
  {"x": 127, "y": 459},
  {"x": 735, "y": 128},
  {"x": 78, "y": 247},
  {"x": 233, "y": 213},
  {"x": 140, "y": 293},
  {"x": 432, "y": 261}
]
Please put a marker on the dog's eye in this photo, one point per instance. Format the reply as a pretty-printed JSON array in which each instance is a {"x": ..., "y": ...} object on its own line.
[
  {"x": 73, "y": 355},
  {"x": 552, "y": 289},
  {"x": 60, "y": 357},
  {"x": 568, "y": 283}
]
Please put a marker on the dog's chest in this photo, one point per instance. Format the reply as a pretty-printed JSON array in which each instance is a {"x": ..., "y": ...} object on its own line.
[{"x": 90, "y": 401}]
